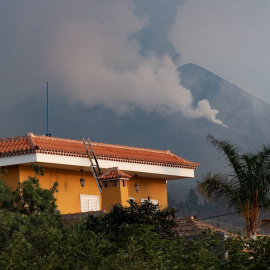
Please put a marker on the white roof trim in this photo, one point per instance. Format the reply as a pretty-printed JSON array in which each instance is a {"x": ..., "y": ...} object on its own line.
[
  {"x": 76, "y": 163},
  {"x": 18, "y": 159}
]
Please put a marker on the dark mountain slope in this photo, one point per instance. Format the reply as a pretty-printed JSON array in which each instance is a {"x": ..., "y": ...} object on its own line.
[{"x": 246, "y": 116}]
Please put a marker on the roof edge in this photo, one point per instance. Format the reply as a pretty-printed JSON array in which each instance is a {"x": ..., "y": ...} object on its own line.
[{"x": 31, "y": 141}]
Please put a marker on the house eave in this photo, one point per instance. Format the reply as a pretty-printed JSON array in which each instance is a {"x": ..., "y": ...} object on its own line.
[{"x": 77, "y": 163}]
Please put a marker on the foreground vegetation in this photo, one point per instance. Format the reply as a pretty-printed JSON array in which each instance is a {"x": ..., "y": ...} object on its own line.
[
  {"x": 246, "y": 187},
  {"x": 33, "y": 236}
]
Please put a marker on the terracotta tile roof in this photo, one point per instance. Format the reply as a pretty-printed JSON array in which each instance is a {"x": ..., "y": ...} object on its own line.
[
  {"x": 114, "y": 173},
  {"x": 69, "y": 219},
  {"x": 31, "y": 143},
  {"x": 190, "y": 226}
]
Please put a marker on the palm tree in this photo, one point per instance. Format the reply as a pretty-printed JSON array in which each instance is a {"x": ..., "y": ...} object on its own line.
[{"x": 246, "y": 188}]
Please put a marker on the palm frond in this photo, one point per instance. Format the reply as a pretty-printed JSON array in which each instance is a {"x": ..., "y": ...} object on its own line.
[
  {"x": 263, "y": 161},
  {"x": 230, "y": 151},
  {"x": 247, "y": 187},
  {"x": 216, "y": 186},
  {"x": 264, "y": 204}
]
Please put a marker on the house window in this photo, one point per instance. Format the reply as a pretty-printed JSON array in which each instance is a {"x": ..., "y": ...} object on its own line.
[
  {"x": 151, "y": 200},
  {"x": 113, "y": 183},
  {"x": 89, "y": 203},
  {"x": 131, "y": 199},
  {"x": 154, "y": 202},
  {"x": 143, "y": 200}
]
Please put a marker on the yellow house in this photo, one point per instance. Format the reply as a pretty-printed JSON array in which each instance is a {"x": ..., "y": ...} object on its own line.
[{"x": 128, "y": 172}]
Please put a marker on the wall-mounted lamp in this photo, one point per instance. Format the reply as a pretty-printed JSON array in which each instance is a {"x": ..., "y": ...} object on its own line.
[
  {"x": 136, "y": 185},
  {"x": 82, "y": 180}
]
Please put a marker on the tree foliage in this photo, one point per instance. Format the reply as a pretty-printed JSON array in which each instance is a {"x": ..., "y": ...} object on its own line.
[
  {"x": 121, "y": 217},
  {"x": 30, "y": 197},
  {"x": 135, "y": 237},
  {"x": 192, "y": 199},
  {"x": 246, "y": 187}
]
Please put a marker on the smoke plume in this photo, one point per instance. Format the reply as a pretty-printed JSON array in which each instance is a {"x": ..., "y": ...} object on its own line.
[
  {"x": 92, "y": 53},
  {"x": 99, "y": 60}
]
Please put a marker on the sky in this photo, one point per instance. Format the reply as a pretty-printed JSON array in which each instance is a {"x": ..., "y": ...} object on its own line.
[{"x": 124, "y": 54}]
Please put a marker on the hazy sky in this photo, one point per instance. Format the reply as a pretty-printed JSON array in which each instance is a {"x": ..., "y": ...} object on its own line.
[
  {"x": 123, "y": 54},
  {"x": 230, "y": 38}
]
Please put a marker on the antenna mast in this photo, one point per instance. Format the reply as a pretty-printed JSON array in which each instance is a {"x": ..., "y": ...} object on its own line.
[{"x": 48, "y": 134}]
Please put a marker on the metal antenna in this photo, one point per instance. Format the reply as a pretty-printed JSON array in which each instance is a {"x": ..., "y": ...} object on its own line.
[{"x": 48, "y": 134}]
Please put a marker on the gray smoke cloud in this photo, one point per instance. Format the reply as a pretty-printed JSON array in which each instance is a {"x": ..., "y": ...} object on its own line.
[
  {"x": 229, "y": 38},
  {"x": 93, "y": 56}
]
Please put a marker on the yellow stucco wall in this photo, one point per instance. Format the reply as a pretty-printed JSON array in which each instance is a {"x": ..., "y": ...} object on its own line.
[
  {"x": 68, "y": 197},
  {"x": 114, "y": 195},
  {"x": 12, "y": 177},
  {"x": 69, "y": 188},
  {"x": 156, "y": 189}
]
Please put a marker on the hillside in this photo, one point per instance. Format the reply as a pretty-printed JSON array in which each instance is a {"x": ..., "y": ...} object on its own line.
[{"x": 246, "y": 116}]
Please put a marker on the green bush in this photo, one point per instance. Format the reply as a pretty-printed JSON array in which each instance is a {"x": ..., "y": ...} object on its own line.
[
  {"x": 121, "y": 217},
  {"x": 33, "y": 236}
]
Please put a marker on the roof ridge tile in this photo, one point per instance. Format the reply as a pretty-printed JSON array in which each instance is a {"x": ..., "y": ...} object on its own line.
[
  {"x": 57, "y": 139},
  {"x": 31, "y": 141},
  {"x": 131, "y": 147},
  {"x": 10, "y": 139}
]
